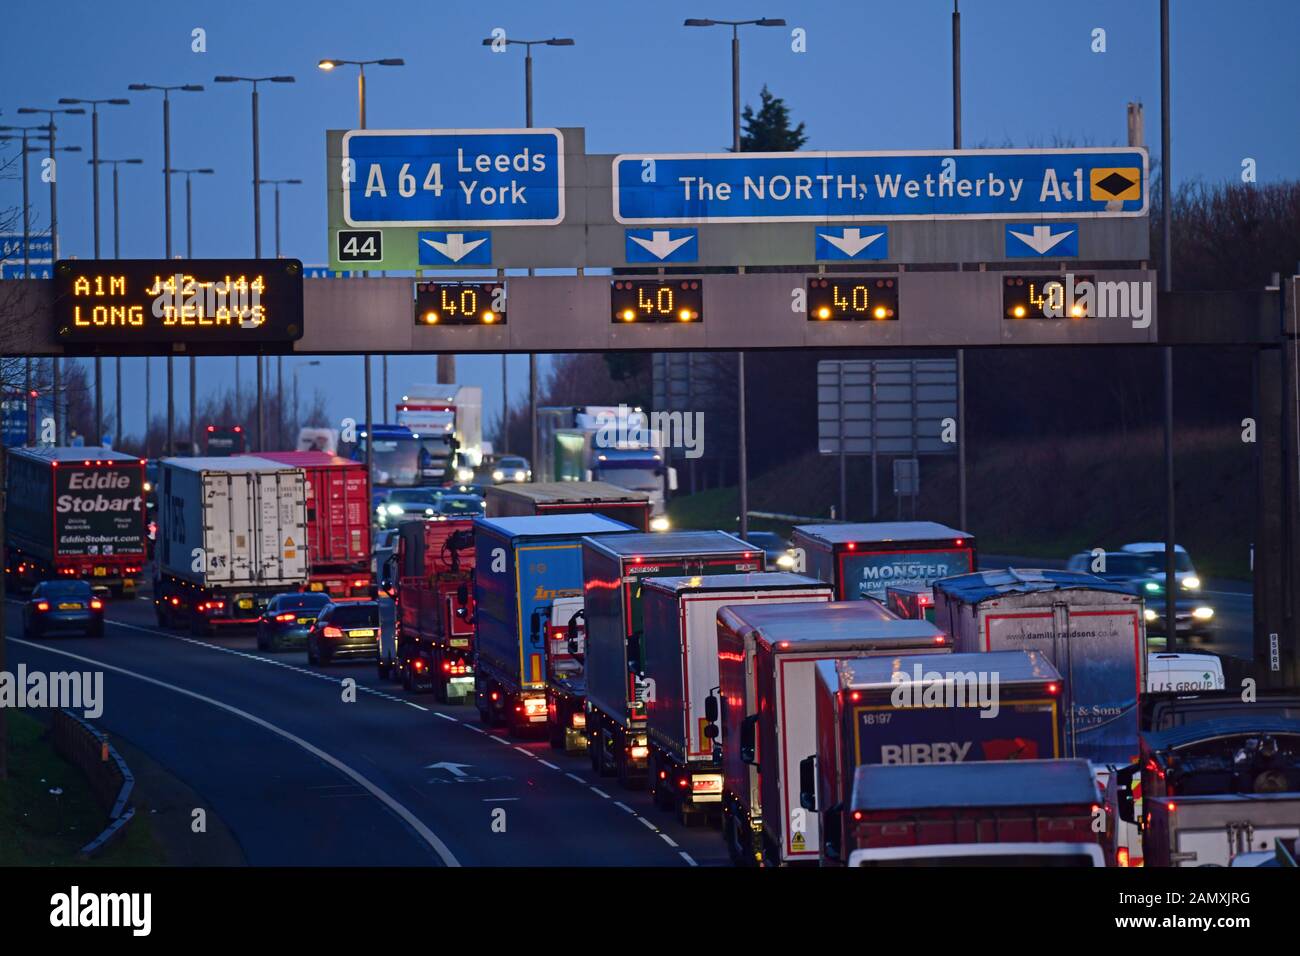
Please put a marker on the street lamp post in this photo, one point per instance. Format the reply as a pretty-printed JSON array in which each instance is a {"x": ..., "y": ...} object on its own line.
[
  {"x": 279, "y": 359},
  {"x": 189, "y": 175},
  {"x": 117, "y": 254},
  {"x": 60, "y": 424},
  {"x": 167, "y": 230},
  {"x": 327, "y": 65},
  {"x": 296, "y": 369},
  {"x": 742, "y": 461},
  {"x": 528, "y": 121},
  {"x": 94, "y": 165}
]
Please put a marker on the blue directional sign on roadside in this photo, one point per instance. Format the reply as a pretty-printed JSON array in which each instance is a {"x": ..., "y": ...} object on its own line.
[
  {"x": 452, "y": 178},
  {"x": 869, "y": 186},
  {"x": 463, "y": 248},
  {"x": 1058, "y": 240},
  {"x": 663, "y": 245},
  {"x": 35, "y": 270},
  {"x": 324, "y": 272},
  {"x": 840, "y": 243},
  {"x": 39, "y": 247}
]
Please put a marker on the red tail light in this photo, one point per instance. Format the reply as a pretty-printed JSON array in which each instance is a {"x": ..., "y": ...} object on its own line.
[
  {"x": 1121, "y": 856},
  {"x": 43, "y": 606},
  {"x": 417, "y": 664},
  {"x": 682, "y": 782},
  {"x": 96, "y": 604},
  {"x": 1052, "y": 688},
  {"x": 360, "y": 583},
  {"x": 332, "y": 631},
  {"x": 285, "y": 618}
]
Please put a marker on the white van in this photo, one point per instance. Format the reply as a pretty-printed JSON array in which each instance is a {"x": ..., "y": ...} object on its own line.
[{"x": 1183, "y": 672}]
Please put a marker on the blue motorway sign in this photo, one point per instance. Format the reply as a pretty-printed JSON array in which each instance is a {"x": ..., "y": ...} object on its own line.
[
  {"x": 455, "y": 248},
  {"x": 39, "y": 247},
  {"x": 850, "y": 243},
  {"x": 662, "y": 245},
  {"x": 35, "y": 270},
  {"x": 864, "y": 186},
  {"x": 505, "y": 177}
]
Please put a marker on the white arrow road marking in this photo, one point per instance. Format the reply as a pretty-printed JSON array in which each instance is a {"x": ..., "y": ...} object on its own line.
[
  {"x": 410, "y": 819},
  {"x": 1041, "y": 239},
  {"x": 455, "y": 769},
  {"x": 659, "y": 245},
  {"x": 852, "y": 242},
  {"x": 455, "y": 248}
]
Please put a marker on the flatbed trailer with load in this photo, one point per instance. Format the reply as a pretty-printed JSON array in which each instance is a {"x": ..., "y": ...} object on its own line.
[
  {"x": 518, "y": 498},
  {"x": 681, "y": 664},
  {"x": 767, "y": 661},
  {"x": 614, "y": 570}
]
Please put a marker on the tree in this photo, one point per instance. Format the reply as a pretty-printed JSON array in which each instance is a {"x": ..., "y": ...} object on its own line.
[{"x": 769, "y": 130}]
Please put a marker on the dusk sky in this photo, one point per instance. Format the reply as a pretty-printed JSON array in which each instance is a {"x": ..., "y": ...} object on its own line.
[{"x": 876, "y": 75}]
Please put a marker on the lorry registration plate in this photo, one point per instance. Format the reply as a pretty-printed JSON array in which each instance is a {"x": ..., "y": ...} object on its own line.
[
  {"x": 101, "y": 572},
  {"x": 245, "y": 603}
]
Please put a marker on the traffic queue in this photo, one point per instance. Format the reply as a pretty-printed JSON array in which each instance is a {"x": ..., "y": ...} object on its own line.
[{"x": 881, "y": 703}]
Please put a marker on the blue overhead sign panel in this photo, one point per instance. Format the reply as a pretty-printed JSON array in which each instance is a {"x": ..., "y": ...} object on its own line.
[
  {"x": 455, "y": 248},
  {"x": 1026, "y": 240},
  {"x": 452, "y": 178},
  {"x": 873, "y": 186}
]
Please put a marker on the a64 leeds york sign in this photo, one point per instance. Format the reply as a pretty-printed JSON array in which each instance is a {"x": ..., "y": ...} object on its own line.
[{"x": 516, "y": 198}]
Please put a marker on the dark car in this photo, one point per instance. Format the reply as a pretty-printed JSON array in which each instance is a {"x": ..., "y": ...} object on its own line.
[
  {"x": 459, "y": 506},
  {"x": 1138, "y": 574},
  {"x": 345, "y": 629},
  {"x": 288, "y": 618},
  {"x": 774, "y": 547},
  {"x": 63, "y": 606}
]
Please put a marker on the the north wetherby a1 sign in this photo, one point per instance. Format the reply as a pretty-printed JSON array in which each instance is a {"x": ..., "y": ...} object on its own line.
[
  {"x": 874, "y": 186},
  {"x": 496, "y": 177}
]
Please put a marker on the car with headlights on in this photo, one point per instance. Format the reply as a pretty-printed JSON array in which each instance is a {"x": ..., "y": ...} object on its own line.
[
  {"x": 63, "y": 607},
  {"x": 288, "y": 619},
  {"x": 407, "y": 504},
  {"x": 345, "y": 629},
  {"x": 1137, "y": 571},
  {"x": 512, "y": 468}
]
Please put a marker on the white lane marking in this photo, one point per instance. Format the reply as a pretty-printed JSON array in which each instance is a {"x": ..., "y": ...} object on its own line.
[
  {"x": 411, "y": 703},
  {"x": 501, "y": 740},
  {"x": 574, "y": 776},
  {"x": 623, "y": 806},
  {"x": 526, "y": 752},
  {"x": 547, "y": 763},
  {"x": 499, "y": 799},
  {"x": 648, "y": 824},
  {"x": 468, "y": 726},
  {"x": 669, "y": 840},
  {"x": 411, "y": 820},
  {"x": 600, "y": 793},
  {"x": 687, "y": 857},
  {"x": 444, "y": 716}
]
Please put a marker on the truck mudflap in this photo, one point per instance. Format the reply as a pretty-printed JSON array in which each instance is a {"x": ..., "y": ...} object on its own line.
[
  {"x": 691, "y": 791},
  {"x": 522, "y": 712}
]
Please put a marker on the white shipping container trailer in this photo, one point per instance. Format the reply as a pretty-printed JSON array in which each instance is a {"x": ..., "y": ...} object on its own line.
[
  {"x": 1093, "y": 631},
  {"x": 232, "y": 532}
]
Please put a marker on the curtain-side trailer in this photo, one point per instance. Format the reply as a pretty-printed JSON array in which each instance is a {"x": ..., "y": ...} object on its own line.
[
  {"x": 767, "y": 658},
  {"x": 516, "y": 499},
  {"x": 681, "y": 665},
  {"x": 614, "y": 570}
]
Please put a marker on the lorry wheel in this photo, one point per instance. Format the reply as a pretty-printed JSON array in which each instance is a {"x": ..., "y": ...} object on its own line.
[
  {"x": 595, "y": 747},
  {"x": 556, "y": 735},
  {"x": 385, "y": 670},
  {"x": 440, "y": 690},
  {"x": 407, "y": 683}
]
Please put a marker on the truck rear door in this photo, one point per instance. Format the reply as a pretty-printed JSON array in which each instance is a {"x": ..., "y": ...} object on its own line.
[
  {"x": 225, "y": 538},
  {"x": 281, "y": 550}
]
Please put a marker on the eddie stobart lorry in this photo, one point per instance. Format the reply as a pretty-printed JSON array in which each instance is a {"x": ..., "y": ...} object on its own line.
[
  {"x": 681, "y": 664},
  {"x": 522, "y": 568},
  {"x": 865, "y": 560},
  {"x": 75, "y": 513},
  {"x": 923, "y": 709},
  {"x": 614, "y": 571}
]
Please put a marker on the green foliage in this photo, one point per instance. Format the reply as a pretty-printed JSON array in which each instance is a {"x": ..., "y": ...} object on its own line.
[{"x": 769, "y": 130}]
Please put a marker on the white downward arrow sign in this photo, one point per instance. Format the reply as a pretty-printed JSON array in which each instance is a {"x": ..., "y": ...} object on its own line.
[
  {"x": 659, "y": 245},
  {"x": 852, "y": 242},
  {"x": 455, "y": 248},
  {"x": 1041, "y": 239},
  {"x": 455, "y": 769}
]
